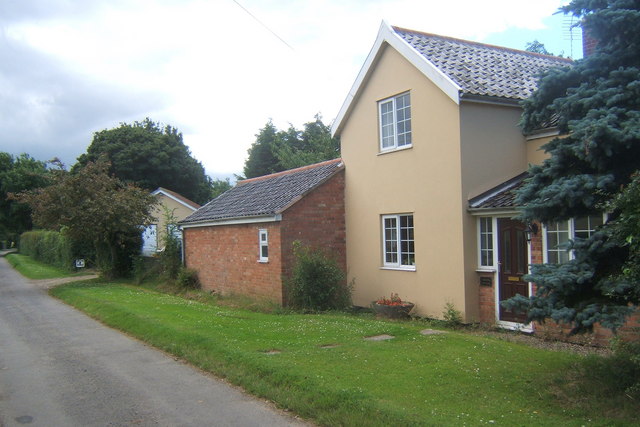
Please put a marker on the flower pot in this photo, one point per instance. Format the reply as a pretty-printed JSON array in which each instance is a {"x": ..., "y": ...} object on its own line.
[{"x": 400, "y": 311}]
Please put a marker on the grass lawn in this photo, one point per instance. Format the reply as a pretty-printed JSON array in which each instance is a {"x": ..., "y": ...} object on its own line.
[
  {"x": 33, "y": 269},
  {"x": 319, "y": 365}
]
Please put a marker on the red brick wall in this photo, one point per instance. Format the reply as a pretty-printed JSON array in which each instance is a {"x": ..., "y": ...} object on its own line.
[
  {"x": 317, "y": 220},
  {"x": 226, "y": 258},
  {"x": 487, "y": 299},
  {"x": 552, "y": 330}
]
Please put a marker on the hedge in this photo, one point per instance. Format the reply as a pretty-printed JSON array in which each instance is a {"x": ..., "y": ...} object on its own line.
[{"x": 52, "y": 247}]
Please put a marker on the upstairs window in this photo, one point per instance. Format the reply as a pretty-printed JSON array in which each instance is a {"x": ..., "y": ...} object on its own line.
[
  {"x": 395, "y": 122},
  {"x": 263, "y": 240}
]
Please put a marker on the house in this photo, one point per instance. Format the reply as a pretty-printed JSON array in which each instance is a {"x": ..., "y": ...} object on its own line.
[
  {"x": 169, "y": 203},
  {"x": 242, "y": 241},
  {"x": 432, "y": 152}
]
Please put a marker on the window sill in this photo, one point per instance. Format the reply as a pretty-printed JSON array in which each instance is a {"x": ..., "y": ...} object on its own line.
[
  {"x": 407, "y": 268},
  {"x": 393, "y": 150},
  {"x": 263, "y": 261},
  {"x": 486, "y": 270}
]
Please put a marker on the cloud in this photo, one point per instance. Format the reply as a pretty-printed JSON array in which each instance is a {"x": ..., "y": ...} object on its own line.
[
  {"x": 208, "y": 68},
  {"x": 50, "y": 111}
]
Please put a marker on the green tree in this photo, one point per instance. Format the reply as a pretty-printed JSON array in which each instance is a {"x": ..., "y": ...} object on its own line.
[
  {"x": 90, "y": 205},
  {"x": 537, "y": 47},
  {"x": 18, "y": 174},
  {"x": 596, "y": 104},
  {"x": 312, "y": 145},
  {"x": 219, "y": 186},
  {"x": 150, "y": 156},
  {"x": 625, "y": 230},
  {"x": 276, "y": 150},
  {"x": 261, "y": 159}
]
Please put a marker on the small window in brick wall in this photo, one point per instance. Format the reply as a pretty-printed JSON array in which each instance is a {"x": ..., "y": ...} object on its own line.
[{"x": 263, "y": 240}]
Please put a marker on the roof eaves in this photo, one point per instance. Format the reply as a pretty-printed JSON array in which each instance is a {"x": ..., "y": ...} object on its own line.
[
  {"x": 231, "y": 221},
  {"x": 478, "y": 200},
  {"x": 386, "y": 34},
  {"x": 177, "y": 197},
  {"x": 494, "y": 100},
  {"x": 493, "y": 211}
]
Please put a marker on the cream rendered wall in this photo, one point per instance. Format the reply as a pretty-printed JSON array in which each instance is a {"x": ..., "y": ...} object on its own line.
[
  {"x": 424, "y": 180},
  {"x": 535, "y": 153},
  {"x": 493, "y": 151},
  {"x": 179, "y": 210}
]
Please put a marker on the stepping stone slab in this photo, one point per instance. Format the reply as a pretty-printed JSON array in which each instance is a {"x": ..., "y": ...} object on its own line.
[
  {"x": 431, "y": 332},
  {"x": 382, "y": 337},
  {"x": 330, "y": 346}
]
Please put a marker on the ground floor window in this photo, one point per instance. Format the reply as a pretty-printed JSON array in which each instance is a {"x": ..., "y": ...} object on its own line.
[
  {"x": 263, "y": 240},
  {"x": 485, "y": 240},
  {"x": 557, "y": 235},
  {"x": 398, "y": 241}
]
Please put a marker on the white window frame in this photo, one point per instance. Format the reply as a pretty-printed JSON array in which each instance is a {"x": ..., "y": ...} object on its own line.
[
  {"x": 491, "y": 237},
  {"x": 571, "y": 226},
  {"x": 398, "y": 252},
  {"x": 394, "y": 136},
  {"x": 263, "y": 243}
]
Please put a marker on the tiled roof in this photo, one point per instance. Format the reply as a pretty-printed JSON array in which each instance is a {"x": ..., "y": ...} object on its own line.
[
  {"x": 500, "y": 196},
  {"x": 177, "y": 196},
  {"x": 481, "y": 69},
  {"x": 265, "y": 195}
]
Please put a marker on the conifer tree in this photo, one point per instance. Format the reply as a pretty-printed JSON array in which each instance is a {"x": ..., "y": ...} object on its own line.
[{"x": 596, "y": 104}]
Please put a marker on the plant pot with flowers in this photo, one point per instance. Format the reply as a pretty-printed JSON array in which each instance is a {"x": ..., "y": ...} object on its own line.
[{"x": 392, "y": 308}]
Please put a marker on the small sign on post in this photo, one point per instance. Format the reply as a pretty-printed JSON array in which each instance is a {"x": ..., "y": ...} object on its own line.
[{"x": 80, "y": 263}]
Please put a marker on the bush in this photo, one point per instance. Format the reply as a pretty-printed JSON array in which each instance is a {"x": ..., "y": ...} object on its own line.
[
  {"x": 188, "y": 278},
  {"x": 317, "y": 282},
  {"x": 171, "y": 255},
  {"x": 451, "y": 316},
  {"x": 49, "y": 247},
  {"x": 145, "y": 268}
]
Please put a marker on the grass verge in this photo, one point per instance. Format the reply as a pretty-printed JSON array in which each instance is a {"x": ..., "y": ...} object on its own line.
[
  {"x": 33, "y": 269},
  {"x": 319, "y": 365}
]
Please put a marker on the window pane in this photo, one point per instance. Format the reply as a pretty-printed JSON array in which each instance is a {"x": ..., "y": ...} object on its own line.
[
  {"x": 582, "y": 223},
  {"x": 486, "y": 242},
  {"x": 557, "y": 236},
  {"x": 406, "y": 240},
  {"x": 403, "y": 118},
  {"x": 264, "y": 251},
  {"x": 584, "y": 227},
  {"x": 522, "y": 256},
  {"x": 506, "y": 247}
]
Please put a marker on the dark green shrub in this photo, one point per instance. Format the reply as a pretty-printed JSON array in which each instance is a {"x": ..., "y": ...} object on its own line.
[
  {"x": 55, "y": 248},
  {"x": 49, "y": 247},
  {"x": 616, "y": 376},
  {"x": 171, "y": 255},
  {"x": 145, "y": 268},
  {"x": 317, "y": 282},
  {"x": 188, "y": 278},
  {"x": 451, "y": 315}
]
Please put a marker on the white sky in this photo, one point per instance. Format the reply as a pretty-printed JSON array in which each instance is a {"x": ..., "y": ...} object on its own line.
[{"x": 69, "y": 68}]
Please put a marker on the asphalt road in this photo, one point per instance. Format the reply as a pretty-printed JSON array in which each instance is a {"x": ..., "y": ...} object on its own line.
[{"x": 60, "y": 368}]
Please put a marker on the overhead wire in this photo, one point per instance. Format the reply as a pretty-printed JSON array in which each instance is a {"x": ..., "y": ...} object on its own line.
[{"x": 263, "y": 24}]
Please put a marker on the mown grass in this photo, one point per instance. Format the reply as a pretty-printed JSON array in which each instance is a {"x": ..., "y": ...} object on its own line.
[
  {"x": 319, "y": 365},
  {"x": 33, "y": 269}
]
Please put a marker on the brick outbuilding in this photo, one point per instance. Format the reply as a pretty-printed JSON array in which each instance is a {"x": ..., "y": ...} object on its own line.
[{"x": 242, "y": 241}]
